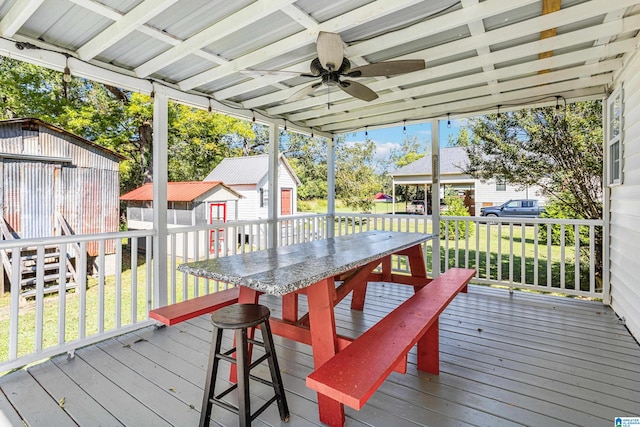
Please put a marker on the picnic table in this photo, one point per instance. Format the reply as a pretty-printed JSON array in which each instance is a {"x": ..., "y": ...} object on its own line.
[{"x": 326, "y": 271}]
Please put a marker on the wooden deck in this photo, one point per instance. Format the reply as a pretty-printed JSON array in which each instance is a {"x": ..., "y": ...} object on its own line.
[{"x": 506, "y": 360}]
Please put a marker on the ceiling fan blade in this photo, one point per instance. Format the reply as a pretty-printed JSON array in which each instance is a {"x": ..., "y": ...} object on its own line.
[
  {"x": 357, "y": 90},
  {"x": 302, "y": 93},
  {"x": 387, "y": 68},
  {"x": 330, "y": 50}
]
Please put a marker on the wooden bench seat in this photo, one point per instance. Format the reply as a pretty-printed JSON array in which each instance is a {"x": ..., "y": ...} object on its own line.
[
  {"x": 185, "y": 310},
  {"x": 356, "y": 372}
]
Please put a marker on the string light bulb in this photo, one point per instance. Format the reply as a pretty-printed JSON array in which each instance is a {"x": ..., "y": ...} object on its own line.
[
  {"x": 499, "y": 105},
  {"x": 253, "y": 116},
  {"x": 366, "y": 131},
  {"x": 449, "y": 120},
  {"x": 404, "y": 127}
]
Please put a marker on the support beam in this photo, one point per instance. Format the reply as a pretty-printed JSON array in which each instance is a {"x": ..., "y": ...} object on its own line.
[
  {"x": 435, "y": 197},
  {"x": 124, "y": 26},
  {"x": 17, "y": 16},
  {"x": 331, "y": 186},
  {"x": 160, "y": 177},
  {"x": 272, "y": 209},
  {"x": 548, "y": 6}
]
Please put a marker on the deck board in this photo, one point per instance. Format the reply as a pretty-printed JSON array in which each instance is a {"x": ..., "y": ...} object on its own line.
[{"x": 506, "y": 360}]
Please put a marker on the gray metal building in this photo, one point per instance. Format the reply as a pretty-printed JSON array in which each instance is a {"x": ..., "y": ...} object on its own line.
[{"x": 50, "y": 177}]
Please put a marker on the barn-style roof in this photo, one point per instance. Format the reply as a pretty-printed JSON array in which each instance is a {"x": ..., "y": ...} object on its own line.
[{"x": 247, "y": 170}]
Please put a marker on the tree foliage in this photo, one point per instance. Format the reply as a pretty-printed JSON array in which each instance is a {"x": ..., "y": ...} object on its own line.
[
  {"x": 198, "y": 140},
  {"x": 559, "y": 151}
]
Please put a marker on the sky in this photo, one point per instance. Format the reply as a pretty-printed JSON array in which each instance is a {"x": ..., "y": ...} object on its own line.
[{"x": 389, "y": 138}]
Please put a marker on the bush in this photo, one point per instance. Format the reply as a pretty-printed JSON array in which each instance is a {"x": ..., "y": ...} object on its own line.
[{"x": 455, "y": 207}]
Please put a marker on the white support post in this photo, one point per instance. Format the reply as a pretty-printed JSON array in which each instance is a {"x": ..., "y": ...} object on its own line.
[
  {"x": 331, "y": 187},
  {"x": 160, "y": 177},
  {"x": 272, "y": 187},
  {"x": 393, "y": 195},
  {"x": 606, "y": 210},
  {"x": 435, "y": 197}
]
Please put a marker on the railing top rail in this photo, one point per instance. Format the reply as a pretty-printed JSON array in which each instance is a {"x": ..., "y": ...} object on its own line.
[{"x": 76, "y": 238}]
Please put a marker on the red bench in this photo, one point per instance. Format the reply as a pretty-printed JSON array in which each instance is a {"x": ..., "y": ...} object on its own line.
[
  {"x": 355, "y": 373},
  {"x": 185, "y": 310}
]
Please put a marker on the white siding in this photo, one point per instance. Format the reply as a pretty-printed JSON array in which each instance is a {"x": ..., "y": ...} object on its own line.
[
  {"x": 249, "y": 206},
  {"x": 486, "y": 194},
  {"x": 624, "y": 242}
]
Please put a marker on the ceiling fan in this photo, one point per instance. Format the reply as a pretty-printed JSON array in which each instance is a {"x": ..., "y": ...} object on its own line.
[{"x": 331, "y": 66}]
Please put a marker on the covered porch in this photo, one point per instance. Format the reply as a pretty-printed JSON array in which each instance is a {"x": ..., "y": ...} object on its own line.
[{"x": 506, "y": 360}]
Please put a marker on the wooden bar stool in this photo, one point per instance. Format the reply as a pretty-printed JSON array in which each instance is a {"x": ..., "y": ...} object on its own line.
[{"x": 242, "y": 317}]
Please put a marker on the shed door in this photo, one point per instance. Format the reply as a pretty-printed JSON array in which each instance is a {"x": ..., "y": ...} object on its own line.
[
  {"x": 217, "y": 214},
  {"x": 286, "y": 207}
]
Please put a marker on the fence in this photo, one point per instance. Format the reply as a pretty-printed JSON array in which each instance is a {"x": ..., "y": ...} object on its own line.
[{"x": 114, "y": 292}]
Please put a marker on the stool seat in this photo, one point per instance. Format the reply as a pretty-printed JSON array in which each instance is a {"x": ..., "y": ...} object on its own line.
[
  {"x": 239, "y": 316},
  {"x": 243, "y": 319}
]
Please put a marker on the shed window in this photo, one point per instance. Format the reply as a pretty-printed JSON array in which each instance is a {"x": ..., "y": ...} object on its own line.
[
  {"x": 614, "y": 135},
  {"x": 501, "y": 184}
]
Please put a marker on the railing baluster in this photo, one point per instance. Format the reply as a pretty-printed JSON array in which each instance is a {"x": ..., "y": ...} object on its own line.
[
  {"x": 118, "y": 272},
  {"x": 39, "y": 297},
  {"x": 134, "y": 279},
  {"x": 100, "y": 286},
  {"x": 577, "y": 256},
  {"x": 82, "y": 290},
  {"x": 562, "y": 257},
  {"x": 62, "y": 293},
  {"x": 523, "y": 258}
]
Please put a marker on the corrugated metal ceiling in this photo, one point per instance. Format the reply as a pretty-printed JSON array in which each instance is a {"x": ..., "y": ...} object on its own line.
[{"x": 206, "y": 47}]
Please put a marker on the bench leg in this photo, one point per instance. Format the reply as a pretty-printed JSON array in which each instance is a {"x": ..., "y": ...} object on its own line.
[{"x": 429, "y": 350}]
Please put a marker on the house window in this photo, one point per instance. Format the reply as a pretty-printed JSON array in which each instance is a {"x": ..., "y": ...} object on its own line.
[
  {"x": 263, "y": 201},
  {"x": 501, "y": 184},
  {"x": 614, "y": 137}
]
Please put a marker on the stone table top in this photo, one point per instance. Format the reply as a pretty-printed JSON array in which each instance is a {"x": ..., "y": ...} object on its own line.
[{"x": 279, "y": 271}]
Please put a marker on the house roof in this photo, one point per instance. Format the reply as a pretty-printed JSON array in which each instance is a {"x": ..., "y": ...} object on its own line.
[
  {"x": 57, "y": 129},
  {"x": 479, "y": 54},
  {"x": 452, "y": 161},
  {"x": 176, "y": 191},
  {"x": 247, "y": 170}
]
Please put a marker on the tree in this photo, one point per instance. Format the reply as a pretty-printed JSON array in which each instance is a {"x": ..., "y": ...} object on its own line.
[
  {"x": 122, "y": 121},
  {"x": 356, "y": 180},
  {"x": 562, "y": 154},
  {"x": 559, "y": 150}
]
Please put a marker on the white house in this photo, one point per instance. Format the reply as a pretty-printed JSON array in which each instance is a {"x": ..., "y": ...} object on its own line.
[
  {"x": 248, "y": 176},
  {"x": 478, "y": 193}
]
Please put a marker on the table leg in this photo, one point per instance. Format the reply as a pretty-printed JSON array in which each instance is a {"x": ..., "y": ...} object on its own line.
[
  {"x": 416, "y": 262},
  {"x": 324, "y": 343},
  {"x": 360, "y": 290},
  {"x": 290, "y": 307},
  {"x": 245, "y": 296}
]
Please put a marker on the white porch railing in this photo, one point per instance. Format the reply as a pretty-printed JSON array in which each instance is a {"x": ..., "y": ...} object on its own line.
[
  {"x": 114, "y": 291},
  {"x": 508, "y": 252}
]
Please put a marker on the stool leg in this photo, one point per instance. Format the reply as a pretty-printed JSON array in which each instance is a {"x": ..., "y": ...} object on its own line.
[
  {"x": 276, "y": 379},
  {"x": 210, "y": 382},
  {"x": 243, "y": 361}
]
